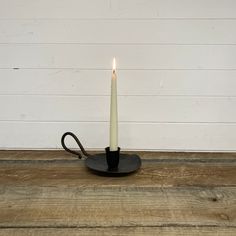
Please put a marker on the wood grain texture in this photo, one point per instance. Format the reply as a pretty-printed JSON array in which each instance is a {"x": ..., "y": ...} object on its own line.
[
  {"x": 51, "y": 155},
  {"x": 154, "y": 173},
  {"x": 47, "y": 193},
  {"x": 118, "y": 9},
  {"x": 123, "y": 231},
  {"x": 108, "y": 206}
]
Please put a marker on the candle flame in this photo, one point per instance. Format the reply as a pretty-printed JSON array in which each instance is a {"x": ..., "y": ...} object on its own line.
[{"x": 114, "y": 65}]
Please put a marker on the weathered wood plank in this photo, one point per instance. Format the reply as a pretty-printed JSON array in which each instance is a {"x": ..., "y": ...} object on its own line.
[
  {"x": 62, "y": 155},
  {"x": 36, "y": 155},
  {"x": 153, "y": 173},
  {"x": 52, "y": 193},
  {"x": 85, "y": 206},
  {"x": 123, "y": 231}
]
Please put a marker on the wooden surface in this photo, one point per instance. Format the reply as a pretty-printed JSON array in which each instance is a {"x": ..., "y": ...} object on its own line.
[{"x": 52, "y": 193}]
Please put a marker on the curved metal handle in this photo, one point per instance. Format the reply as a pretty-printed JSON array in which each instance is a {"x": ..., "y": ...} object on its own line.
[{"x": 77, "y": 141}]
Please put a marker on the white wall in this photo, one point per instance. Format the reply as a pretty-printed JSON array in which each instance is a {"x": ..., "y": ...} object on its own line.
[{"x": 176, "y": 73}]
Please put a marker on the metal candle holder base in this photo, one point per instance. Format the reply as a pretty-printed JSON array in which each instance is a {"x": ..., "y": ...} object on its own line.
[
  {"x": 110, "y": 163},
  {"x": 127, "y": 164},
  {"x": 112, "y": 159}
]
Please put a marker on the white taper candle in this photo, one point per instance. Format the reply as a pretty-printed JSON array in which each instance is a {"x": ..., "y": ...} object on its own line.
[{"x": 113, "y": 111}]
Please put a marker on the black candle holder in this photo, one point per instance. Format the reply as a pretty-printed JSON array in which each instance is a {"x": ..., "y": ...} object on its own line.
[
  {"x": 109, "y": 163},
  {"x": 112, "y": 158}
]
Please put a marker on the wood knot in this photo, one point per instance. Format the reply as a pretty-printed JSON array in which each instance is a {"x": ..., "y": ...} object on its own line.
[
  {"x": 214, "y": 199},
  {"x": 224, "y": 217}
]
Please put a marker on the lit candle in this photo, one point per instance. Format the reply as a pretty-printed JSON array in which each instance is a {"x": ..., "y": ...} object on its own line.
[{"x": 113, "y": 111}]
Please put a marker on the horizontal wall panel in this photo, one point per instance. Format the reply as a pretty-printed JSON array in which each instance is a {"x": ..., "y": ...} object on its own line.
[
  {"x": 128, "y": 56},
  {"x": 119, "y": 32},
  {"x": 117, "y": 9},
  {"x": 130, "y": 82},
  {"x": 208, "y": 137},
  {"x": 132, "y": 109},
  {"x": 175, "y": 64}
]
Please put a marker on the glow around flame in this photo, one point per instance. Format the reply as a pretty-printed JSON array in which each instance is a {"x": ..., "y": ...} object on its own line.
[{"x": 114, "y": 64}]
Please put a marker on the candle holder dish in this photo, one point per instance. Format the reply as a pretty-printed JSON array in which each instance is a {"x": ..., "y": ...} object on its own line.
[{"x": 109, "y": 163}]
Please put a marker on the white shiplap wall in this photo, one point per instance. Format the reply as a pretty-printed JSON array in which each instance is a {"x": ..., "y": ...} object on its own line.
[{"x": 176, "y": 73}]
